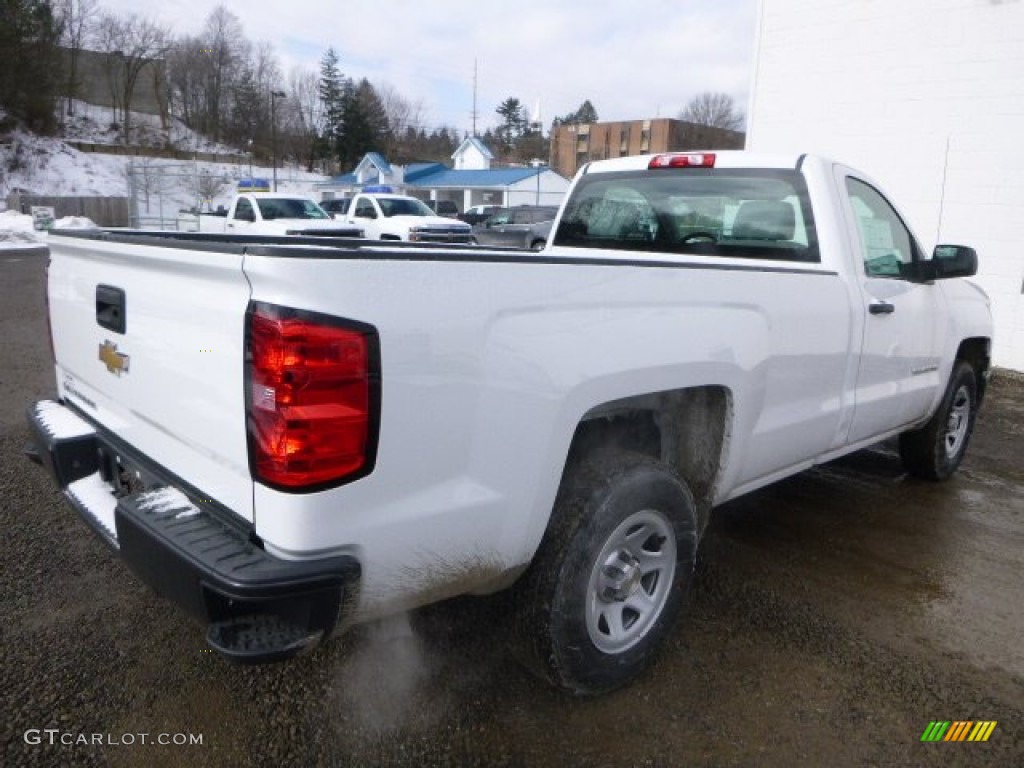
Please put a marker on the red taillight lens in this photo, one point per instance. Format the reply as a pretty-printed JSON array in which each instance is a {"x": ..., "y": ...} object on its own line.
[
  {"x": 701, "y": 160},
  {"x": 313, "y": 398}
]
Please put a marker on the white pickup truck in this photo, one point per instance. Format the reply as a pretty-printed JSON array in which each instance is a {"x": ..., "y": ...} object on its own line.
[
  {"x": 385, "y": 216},
  {"x": 269, "y": 213},
  {"x": 289, "y": 439}
]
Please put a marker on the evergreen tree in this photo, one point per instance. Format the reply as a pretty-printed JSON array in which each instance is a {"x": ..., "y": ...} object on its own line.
[
  {"x": 332, "y": 93},
  {"x": 585, "y": 114},
  {"x": 29, "y": 74},
  {"x": 365, "y": 124},
  {"x": 513, "y": 122}
]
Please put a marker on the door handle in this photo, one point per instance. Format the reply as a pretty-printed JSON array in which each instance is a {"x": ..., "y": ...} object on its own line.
[
  {"x": 881, "y": 308},
  {"x": 110, "y": 308}
]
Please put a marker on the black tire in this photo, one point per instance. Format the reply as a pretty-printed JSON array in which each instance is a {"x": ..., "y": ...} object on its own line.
[
  {"x": 934, "y": 451},
  {"x": 611, "y": 574},
  {"x": 538, "y": 245}
]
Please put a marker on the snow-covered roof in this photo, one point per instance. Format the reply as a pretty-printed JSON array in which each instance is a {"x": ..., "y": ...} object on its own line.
[
  {"x": 415, "y": 171},
  {"x": 377, "y": 161},
  {"x": 497, "y": 177}
]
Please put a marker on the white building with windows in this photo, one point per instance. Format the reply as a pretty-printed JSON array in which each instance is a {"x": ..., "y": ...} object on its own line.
[{"x": 925, "y": 96}]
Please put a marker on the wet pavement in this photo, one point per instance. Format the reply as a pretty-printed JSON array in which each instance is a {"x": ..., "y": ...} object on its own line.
[{"x": 834, "y": 615}]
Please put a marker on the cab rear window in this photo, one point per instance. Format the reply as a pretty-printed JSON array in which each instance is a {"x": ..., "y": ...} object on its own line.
[{"x": 747, "y": 213}]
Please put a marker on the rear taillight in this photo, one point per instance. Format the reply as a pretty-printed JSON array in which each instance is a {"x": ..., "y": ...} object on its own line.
[
  {"x": 690, "y": 160},
  {"x": 312, "y": 398}
]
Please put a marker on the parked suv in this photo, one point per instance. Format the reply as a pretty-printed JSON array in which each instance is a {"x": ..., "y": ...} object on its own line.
[
  {"x": 537, "y": 236},
  {"x": 509, "y": 226},
  {"x": 477, "y": 213}
]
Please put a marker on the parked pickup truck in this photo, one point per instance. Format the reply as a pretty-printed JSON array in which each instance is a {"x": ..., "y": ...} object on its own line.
[
  {"x": 270, "y": 213},
  {"x": 385, "y": 216},
  {"x": 290, "y": 439}
]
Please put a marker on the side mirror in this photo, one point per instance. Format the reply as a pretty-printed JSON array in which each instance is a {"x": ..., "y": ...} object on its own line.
[{"x": 954, "y": 261}]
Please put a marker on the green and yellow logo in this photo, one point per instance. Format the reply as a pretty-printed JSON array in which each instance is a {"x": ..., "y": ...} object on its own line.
[{"x": 958, "y": 730}]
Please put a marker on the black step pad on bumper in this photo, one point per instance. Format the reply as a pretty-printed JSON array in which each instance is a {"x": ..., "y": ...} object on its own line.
[
  {"x": 261, "y": 608},
  {"x": 259, "y": 638}
]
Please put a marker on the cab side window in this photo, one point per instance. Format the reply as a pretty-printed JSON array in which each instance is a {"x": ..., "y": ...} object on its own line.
[
  {"x": 364, "y": 210},
  {"x": 243, "y": 210},
  {"x": 886, "y": 243}
]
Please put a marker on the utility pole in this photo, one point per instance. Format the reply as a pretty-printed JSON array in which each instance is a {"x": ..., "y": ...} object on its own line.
[{"x": 473, "y": 113}]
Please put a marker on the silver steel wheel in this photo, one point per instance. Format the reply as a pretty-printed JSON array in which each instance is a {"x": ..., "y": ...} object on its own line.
[
  {"x": 631, "y": 580},
  {"x": 957, "y": 422}
]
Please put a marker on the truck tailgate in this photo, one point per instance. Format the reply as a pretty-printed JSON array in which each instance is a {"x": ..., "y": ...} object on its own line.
[{"x": 148, "y": 342}]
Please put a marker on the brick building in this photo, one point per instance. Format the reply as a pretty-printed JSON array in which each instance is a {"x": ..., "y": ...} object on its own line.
[{"x": 574, "y": 145}]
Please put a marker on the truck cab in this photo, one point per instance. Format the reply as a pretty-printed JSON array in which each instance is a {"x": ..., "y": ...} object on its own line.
[{"x": 386, "y": 216}]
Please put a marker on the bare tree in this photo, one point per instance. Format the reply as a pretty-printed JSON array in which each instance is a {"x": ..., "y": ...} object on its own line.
[
  {"x": 224, "y": 50},
  {"x": 186, "y": 66},
  {"x": 146, "y": 177},
  {"x": 300, "y": 120},
  {"x": 209, "y": 187},
  {"x": 77, "y": 18},
  {"x": 131, "y": 43},
  {"x": 401, "y": 112},
  {"x": 717, "y": 110}
]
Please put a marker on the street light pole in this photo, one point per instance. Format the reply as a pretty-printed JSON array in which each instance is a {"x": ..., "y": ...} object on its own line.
[{"x": 273, "y": 131}]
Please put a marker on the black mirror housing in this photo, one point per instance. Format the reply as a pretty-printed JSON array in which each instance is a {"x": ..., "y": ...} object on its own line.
[{"x": 954, "y": 261}]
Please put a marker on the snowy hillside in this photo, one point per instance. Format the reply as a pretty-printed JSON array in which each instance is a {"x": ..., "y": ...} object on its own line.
[{"x": 48, "y": 166}]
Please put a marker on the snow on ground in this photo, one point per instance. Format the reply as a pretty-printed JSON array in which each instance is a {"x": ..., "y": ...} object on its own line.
[
  {"x": 97, "y": 125},
  {"x": 48, "y": 166},
  {"x": 16, "y": 229}
]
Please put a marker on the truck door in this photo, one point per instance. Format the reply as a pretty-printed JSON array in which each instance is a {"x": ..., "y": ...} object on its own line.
[
  {"x": 364, "y": 214},
  {"x": 898, "y": 373},
  {"x": 243, "y": 218}
]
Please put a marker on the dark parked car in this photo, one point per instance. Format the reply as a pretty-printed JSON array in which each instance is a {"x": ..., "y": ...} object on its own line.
[
  {"x": 537, "y": 236},
  {"x": 337, "y": 207},
  {"x": 509, "y": 226},
  {"x": 446, "y": 208},
  {"x": 478, "y": 213}
]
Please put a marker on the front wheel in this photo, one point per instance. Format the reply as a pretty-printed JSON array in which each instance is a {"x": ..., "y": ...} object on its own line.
[
  {"x": 611, "y": 574},
  {"x": 934, "y": 451}
]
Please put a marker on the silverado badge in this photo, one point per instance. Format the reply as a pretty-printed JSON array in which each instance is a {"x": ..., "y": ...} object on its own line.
[{"x": 116, "y": 362}]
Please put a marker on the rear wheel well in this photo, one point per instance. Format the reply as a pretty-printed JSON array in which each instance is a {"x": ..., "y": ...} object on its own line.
[{"x": 686, "y": 429}]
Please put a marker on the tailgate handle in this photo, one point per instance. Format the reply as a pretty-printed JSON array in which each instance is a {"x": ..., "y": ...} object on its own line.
[{"x": 110, "y": 308}]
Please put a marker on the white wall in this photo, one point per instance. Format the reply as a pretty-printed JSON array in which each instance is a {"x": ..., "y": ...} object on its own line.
[
  {"x": 552, "y": 190},
  {"x": 927, "y": 97}
]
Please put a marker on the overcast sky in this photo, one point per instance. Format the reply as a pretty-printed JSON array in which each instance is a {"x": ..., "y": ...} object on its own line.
[{"x": 633, "y": 59}]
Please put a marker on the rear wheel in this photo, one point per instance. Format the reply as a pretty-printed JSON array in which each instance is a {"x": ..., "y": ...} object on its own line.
[
  {"x": 935, "y": 450},
  {"x": 538, "y": 245},
  {"x": 610, "y": 576}
]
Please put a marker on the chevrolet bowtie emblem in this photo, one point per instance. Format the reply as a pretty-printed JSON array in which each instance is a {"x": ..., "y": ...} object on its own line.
[{"x": 116, "y": 362}]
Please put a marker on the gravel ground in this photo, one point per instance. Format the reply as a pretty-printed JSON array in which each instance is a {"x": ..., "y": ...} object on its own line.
[{"x": 834, "y": 616}]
